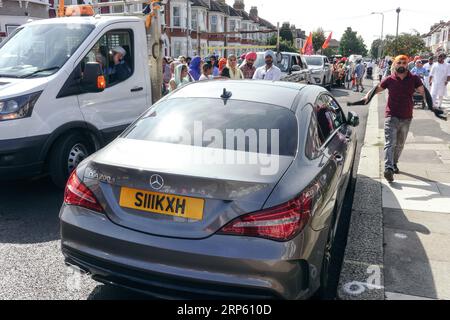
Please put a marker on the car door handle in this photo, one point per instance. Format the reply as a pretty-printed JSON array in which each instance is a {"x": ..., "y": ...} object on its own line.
[
  {"x": 338, "y": 157},
  {"x": 136, "y": 89}
]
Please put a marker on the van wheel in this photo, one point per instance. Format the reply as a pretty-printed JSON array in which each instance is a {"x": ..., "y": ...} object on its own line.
[{"x": 67, "y": 152}]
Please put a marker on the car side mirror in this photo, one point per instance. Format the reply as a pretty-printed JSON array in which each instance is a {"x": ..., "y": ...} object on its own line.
[
  {"x": 93, "y": 79},
  {"x": 353, "y": 119},
  {"x": 296, "y": 67}
]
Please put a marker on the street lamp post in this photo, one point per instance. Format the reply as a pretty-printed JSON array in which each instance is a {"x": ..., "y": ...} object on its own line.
[
  {"x": 398, "y": 18},
  {"x": 380, "y": 49}
]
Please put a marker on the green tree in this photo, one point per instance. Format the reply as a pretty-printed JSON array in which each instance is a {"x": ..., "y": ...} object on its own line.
[
  {"x": 375, "y": 48},
  {"x": 318, "y": 37},
  {"x": 330, "y": 52},
  {"x": 407, "y": 44},
  {"x": 285, "y": 46},
  {"x": 286, "y": 32},
  {"x": 352, "y": 44}
]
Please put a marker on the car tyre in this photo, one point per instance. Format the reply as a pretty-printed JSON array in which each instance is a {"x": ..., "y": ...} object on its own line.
[
  {"x": 323, "y": 292},
  {"x": 67, "y": 152}
]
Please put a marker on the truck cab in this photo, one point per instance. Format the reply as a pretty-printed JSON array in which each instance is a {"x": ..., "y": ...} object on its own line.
[{"x": 61, "y": 96}]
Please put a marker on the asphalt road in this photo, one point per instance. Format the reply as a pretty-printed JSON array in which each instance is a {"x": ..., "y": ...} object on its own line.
[{"x": 31, "y": 264}]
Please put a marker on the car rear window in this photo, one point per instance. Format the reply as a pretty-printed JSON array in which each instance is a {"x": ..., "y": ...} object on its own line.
[{"x": 215, "y": 123}]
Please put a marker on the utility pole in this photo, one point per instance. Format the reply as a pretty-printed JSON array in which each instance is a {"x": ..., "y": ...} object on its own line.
[
  {"x": 398, "y": 18},
  {"x": 278, "y": 37},
  {"x": 199, "y": 47},
  {"x": 187, "y": 29},
  {"x": 154, "y": 43},
  {"x": 380, "y": 48}
]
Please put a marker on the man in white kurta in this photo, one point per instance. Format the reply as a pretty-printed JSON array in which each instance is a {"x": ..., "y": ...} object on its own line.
[
  {"x": 439, "y": 78},
  {"x": 428, "y": 67}
]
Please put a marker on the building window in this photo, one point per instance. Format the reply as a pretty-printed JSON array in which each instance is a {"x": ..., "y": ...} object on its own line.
[
  {"x": 194, "y": 23},
  {"x": 176, "y": 17},
  {"x": 177, "y": 48},
  {"x": 213, "y": 23},
  {"x": 232, "y": 26}
]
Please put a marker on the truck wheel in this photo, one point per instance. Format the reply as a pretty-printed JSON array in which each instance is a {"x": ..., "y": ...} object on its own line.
[{"x": 67, "y": 152}]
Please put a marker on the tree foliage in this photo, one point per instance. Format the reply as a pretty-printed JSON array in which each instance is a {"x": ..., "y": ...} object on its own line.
[
  {"x": 286, "y": 32},
  {"x": 351, "y": 43},
  {"x": 318, "y": 38},
  {"x": 375, "y": 48},
  {"x": 285, "y": 46},
  {"x": 407, "y": 44}
]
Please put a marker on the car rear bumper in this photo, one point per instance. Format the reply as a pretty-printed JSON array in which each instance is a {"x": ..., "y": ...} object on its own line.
[
  {"x": 20, "y": 158},
  {"x": 165, "y": 267}
]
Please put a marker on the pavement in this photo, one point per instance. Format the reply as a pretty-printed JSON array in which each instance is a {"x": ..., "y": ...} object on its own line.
[{"x": 398, "y": 234}]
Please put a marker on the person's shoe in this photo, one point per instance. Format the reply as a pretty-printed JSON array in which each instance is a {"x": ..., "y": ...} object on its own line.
[
  {"x": 389, "y": 175},
  {"x": 396, "y": 169},
  {"x": 362, "y": 90}
]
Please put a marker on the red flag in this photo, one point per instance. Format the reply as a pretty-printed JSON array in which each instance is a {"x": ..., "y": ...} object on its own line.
[
  {"x": 308, "y": 46},
  {"x": 327, "y": 42}
]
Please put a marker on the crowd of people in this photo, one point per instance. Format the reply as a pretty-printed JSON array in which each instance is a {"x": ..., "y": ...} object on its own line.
[
  {"x": 350, "y": 74},
  {"x": 183, "y": 70},
  {"x": 434, "y": 75}
]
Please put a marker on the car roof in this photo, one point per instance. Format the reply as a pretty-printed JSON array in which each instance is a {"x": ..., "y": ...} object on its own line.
[{"x": 278, "y": 93}]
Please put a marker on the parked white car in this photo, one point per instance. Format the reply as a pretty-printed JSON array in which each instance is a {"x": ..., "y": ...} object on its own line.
[{"x": 321, "y": 70}]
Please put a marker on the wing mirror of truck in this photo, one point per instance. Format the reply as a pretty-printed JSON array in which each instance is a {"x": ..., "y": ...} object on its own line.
[
  {"x": 353, "y": 119},
  {"x": 93, "y": 79},
  {"x": 296, "y": 68}
]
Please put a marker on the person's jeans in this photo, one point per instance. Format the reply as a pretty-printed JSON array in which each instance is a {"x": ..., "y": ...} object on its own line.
[{"x": 395, "y": 133}]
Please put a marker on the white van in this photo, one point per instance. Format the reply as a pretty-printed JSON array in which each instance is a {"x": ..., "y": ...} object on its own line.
[{"x": 61, "y": 97}]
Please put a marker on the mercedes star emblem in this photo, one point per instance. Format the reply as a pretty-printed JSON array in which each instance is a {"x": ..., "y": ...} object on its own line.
[{"x": 156, "y": 182}]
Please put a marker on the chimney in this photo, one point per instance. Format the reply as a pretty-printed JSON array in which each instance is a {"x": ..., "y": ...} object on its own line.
[
  {"x": 254, "y": 12},
  {"x": 239, "y": 5}
]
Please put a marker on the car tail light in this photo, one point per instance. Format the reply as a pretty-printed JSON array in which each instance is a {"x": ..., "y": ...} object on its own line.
[
  {"x": 77, "y": 194},
  {"x": 280, "y": 223}
]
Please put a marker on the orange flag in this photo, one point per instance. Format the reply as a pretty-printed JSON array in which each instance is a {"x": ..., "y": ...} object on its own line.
[
  {"x": 308, "y": 46},
  {"x": 327, "y": 42}
]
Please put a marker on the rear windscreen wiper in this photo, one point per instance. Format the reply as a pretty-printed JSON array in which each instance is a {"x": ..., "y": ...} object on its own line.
[{"x": 40, "y": 70}]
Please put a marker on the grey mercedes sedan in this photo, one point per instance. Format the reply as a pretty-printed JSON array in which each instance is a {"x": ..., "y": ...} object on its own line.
[{"x": 222, "y": 189}]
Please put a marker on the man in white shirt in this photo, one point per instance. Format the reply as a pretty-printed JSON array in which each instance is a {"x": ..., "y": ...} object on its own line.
[
  {"x": 428, "y": 67},
  {"x": 269, "y": 71},
  {"x": 439, "y": 78}
]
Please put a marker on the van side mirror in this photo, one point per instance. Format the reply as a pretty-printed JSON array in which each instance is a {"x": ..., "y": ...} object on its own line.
[
  {"x": 353, "y": 119},
  {"x": 93, "y": 79}
]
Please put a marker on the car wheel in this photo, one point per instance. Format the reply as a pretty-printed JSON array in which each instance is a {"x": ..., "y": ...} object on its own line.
[
  {"x": 323, "y": 292},
  {"x": 67, "y": 152}
]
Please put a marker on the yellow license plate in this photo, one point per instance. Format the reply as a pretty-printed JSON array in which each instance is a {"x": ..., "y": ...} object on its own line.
[{"x": 167, "y": 204}]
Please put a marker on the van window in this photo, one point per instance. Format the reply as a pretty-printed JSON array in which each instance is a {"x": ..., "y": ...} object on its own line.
[{"x": 108, "y": 53}]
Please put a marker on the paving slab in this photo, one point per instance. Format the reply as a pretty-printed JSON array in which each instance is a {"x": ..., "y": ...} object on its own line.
[
  {"x": 414, "y": 246},
  {"x": 417, "y": 221},
  {"x": 399, "y": 296},
  {"x": 418, "y": 278},
  {"x": 415, "y": 195}
]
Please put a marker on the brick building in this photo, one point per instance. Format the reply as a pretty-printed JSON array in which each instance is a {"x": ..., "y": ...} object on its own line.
[{"x": 14, "y": 13}]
